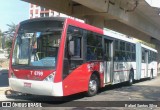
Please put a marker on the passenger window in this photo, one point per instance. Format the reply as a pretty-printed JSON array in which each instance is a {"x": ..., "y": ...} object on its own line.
[
  {"x": 143, "y": 55},
  {"x": 116, "y": 45},
  {"x": 94, "y": 46},
  {"x": 124, "y": 52}
]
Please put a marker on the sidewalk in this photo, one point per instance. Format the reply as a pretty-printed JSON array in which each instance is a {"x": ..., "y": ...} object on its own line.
[{"x": 3, "y": 89}]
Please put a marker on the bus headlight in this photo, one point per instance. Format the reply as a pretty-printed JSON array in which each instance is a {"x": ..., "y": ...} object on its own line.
[{"x": 50, "y": 78}]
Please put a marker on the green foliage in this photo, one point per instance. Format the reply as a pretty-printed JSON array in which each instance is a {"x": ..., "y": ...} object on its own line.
[
  {"x": 11, "y": 31},
  {"x": 9, "y": 35},
  {"x": 0, "y": 38},
  {"x": 8, "y": 44},
  {"x": 0, "y": 33}
]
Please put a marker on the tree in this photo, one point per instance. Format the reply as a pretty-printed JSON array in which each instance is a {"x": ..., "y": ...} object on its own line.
[
  {"x": 11, "y": 31},
  {"x": 0, "y": 39},
  {"x": 9, "y": 35}
]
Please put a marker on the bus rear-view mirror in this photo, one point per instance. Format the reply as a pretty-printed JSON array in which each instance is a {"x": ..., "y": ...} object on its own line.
[{"x": 71, "y": 48}]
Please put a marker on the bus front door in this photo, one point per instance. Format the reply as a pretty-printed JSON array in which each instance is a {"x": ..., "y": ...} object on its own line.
[{"x": 108, "y": 61}]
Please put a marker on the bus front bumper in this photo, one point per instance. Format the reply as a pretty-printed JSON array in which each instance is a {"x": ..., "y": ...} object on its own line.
[{"x": 36, "y": 87}]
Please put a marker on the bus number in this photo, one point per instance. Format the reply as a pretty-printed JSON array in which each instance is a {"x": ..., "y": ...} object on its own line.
[{"x": 38, "y": 73}]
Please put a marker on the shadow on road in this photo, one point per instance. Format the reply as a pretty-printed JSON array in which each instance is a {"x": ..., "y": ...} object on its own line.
[
  {"x": 136, "y": 92},
  {"x": 151, "y": 93},
  {"x": 4, "y": 78},
  {"x": 120, "y": 85},
  {"x": 148, "y": 92},
  {"x": 66, "y": 101}
]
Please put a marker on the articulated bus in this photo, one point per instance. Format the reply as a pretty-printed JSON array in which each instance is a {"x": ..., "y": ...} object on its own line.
[{"x": 60, "y": 56}]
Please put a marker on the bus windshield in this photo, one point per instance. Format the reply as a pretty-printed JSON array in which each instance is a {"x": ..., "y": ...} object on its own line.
[{"x": 37, "y": 44}]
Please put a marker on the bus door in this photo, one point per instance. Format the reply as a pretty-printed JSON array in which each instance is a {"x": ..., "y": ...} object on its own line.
[
  {"x": 108, "y": 60},
  {"x": 146, "y": 64},
  {"x": 144, "y": 71}
]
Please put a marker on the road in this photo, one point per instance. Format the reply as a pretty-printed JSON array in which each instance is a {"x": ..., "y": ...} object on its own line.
[{"x": 144, "y": 90}]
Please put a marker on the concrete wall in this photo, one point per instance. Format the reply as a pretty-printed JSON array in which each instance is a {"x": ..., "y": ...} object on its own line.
[
  {"x": 157, "y": 43},
  {"x": 111, "y": 14}
]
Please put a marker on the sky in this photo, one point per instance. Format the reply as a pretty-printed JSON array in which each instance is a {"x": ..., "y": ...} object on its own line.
[{"x": 12, "y": 11}]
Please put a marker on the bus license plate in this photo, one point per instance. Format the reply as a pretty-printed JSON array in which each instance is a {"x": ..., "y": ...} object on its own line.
[{"x": 26, "y": 84}]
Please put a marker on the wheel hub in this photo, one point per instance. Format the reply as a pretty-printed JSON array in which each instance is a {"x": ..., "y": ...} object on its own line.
[{"x": 93, "y": 85}]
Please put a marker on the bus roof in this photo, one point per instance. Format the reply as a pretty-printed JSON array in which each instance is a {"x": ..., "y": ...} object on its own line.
[
  {"x": 117, "y": 36},
  {"x": 147, "y": 47},
  {"x": 44, "y": 19}
]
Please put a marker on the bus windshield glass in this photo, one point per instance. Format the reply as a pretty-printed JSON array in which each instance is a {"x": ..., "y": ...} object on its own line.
[{"x": 37, "y": 44}]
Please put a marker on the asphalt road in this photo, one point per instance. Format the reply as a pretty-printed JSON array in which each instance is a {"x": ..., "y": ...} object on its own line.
[{"x": 144, "y": 90}]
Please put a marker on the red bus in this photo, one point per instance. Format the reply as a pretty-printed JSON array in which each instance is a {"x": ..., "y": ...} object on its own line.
[{"x": 60, "y": 56}]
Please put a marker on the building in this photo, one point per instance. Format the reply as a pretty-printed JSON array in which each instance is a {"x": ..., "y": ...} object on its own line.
[{"x": 38, "y": 11}]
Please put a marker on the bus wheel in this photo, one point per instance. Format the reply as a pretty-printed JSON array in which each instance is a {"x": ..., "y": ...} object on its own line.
[
  {"x": 93, "y": 85},
  {"x": 131, "y": 78}
]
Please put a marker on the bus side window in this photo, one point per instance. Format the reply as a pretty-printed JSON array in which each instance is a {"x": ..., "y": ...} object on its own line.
[
  {"x": 143, "y": 55},
  {"x": 94, "y": 46}
]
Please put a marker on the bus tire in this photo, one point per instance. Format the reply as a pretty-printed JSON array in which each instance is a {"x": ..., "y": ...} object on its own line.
[
  {"x": 93, "y": 85},
  {"x": 131, "y": 78}
]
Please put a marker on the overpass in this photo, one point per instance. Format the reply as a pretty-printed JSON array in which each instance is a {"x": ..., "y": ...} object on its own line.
[{"x": 134, "y": 18}]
